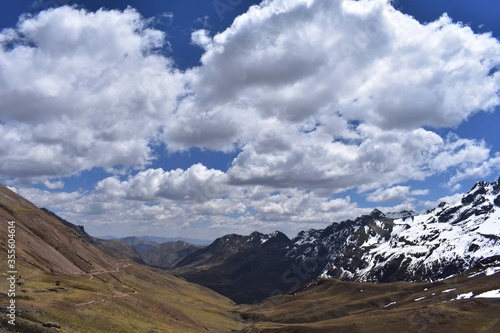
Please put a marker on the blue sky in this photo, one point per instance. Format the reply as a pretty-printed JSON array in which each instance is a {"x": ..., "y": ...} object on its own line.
[{"x": 202, "y": 118}]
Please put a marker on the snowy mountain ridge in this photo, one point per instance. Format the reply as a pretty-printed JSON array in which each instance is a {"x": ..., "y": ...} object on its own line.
[
  {"x": 378, "y": 247},
  {"x": 442, "y": 242}
]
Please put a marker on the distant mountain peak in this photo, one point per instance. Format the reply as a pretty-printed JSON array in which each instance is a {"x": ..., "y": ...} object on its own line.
[
  {"x": 277, "y": 236},
  {"x": 496, "y": 185},
  {"x": 439, "y": 243},
  {"x": 376, "y": 213}
]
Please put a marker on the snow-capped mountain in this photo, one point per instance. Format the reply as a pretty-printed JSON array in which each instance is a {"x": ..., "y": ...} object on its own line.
[
  {"x": 379, "y": 247},
  {"x": 416, "y": 247}
]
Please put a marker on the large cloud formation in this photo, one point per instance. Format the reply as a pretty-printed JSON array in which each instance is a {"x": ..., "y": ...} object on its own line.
[
  {"x": 318, "y": 97},
  {"x": 328, "y": 93},
  {"x": 363, "y": 60},
  {"x": 80, "y": 90}
]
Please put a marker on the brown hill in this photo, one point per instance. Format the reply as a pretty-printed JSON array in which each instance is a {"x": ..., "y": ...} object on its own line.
[
  {"x": 137, "y": 243},
  {"x": 115, "y": 247},
  {"x": 160, "y": 255},
  {"x": 63, "y": 277},
  {"x": 46, "y": 243},
  {"x": 119, "y": 249}
]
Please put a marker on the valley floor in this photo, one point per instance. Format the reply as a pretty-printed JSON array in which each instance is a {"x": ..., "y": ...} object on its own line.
[
  {"x": 453, "y": 305},
  {"x": 136, "y": 299}
]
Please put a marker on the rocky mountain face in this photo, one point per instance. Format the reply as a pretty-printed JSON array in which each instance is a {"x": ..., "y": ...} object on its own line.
[
  {"x": 247, "y": 269},
  {"x": 115, "y": 247},
  {"x": 406, "y": 246},
  {"x": 442, "y": 242}
]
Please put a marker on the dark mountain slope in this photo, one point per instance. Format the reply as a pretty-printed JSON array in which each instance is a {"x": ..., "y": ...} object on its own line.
[{"x": 247, "y": 269}]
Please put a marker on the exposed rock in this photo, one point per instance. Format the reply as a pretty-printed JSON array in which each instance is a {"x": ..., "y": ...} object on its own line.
[
  {"x": 51, "y": 324},
  {"x": 478, "y": 190}
]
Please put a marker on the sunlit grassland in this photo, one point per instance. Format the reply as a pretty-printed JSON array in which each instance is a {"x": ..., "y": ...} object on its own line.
[{"x": 131, "y": 299}]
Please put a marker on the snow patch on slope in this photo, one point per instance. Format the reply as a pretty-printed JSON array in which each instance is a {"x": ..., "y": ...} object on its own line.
[{"x": 490, "y": 294}]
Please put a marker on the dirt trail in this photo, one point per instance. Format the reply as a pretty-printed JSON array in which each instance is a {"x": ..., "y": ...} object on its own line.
[
  {"x": 91, "y": 275},
  {"x": 116, "y": 270},
  {"x": 120, "y": 295}
]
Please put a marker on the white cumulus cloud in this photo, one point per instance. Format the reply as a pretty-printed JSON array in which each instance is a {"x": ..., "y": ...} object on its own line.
[
  {"x": 316, "y": 97},
  {"x": 80, "y": 90},
  {"x": 328, "y": 94}
]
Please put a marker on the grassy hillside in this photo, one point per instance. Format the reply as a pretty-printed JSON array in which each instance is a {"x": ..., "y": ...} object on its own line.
[
  {"x": 130, "y": 298},
  {"x": 336, "y": 306},
  {"x": 97, "y": 291}
]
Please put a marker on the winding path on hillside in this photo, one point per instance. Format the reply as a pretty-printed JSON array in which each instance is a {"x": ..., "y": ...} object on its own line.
[
  {"x": 97, "y": 272},
  {"x": 119, "y": 266},
  {"x": 119, "y": 295}
]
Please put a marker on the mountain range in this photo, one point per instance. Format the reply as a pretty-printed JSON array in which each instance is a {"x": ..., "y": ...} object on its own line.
[
  {"x": 160, "y": 240},
  {"x": 144, "y": 250},
  {"x": 435, "y": 271},
  {"x": 439, "y": 243}
]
